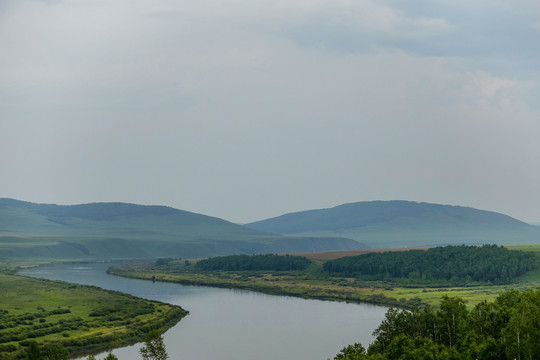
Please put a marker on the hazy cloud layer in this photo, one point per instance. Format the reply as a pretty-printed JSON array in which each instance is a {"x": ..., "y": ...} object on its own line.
[{"x": 249, "y": 109}]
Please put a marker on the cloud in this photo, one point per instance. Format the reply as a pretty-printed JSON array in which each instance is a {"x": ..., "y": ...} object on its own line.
[
  {"x": 356, "y": 26},
  {"x": 246, "y": 109}
]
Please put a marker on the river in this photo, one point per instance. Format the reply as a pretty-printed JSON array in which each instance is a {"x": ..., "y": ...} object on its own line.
[{"x": 230, "y": 324}]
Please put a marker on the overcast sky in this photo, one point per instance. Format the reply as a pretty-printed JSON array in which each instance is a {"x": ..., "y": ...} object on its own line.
[{"x": 247, "y": 109}]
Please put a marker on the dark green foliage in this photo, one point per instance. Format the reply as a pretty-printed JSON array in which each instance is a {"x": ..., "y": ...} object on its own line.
[
  {"x": 352, "y": 352},
  {"x": 268, "y": 262},
  {"x": 154, "y": 347},
  {"x": 54, "y": 352},
  {"x": 456, "y": 265},
  {"x": 161, "y": 262},
  {"x": 33, "y": 351},
  {"x": 508, "y": 328},
  {"x": 403, "y": 347}
]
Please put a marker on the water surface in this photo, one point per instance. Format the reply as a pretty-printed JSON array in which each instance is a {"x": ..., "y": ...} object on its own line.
[{"x": 231, "y": 324}]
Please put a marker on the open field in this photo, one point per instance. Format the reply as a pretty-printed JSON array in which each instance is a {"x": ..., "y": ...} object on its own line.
[
  {"x": 83, "y": 319},
  {"x": 331, "y": 255},
  {"x": 526, "y": 247},
  {"x": 313, "y": 283}
]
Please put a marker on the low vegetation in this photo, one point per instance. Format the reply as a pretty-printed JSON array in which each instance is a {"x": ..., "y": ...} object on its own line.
[{"x": 82, "y": 319}]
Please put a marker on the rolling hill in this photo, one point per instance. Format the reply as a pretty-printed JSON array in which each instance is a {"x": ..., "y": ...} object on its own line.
[
  {"x": 121, "y": 230},
  {"x": 389, "y": 224}
]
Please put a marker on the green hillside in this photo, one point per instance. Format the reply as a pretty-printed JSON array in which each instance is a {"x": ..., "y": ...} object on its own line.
[
  {"x": 120, "y": 230},
  {"x": 387, "y": 224}
]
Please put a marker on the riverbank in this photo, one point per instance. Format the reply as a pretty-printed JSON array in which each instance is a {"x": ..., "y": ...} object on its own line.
[
  {"x": 272, "y": 284},
  {"x": 270, "y": 327},
  {"x": 314, "y": 284},
  {"x": 83, "y": 319}
]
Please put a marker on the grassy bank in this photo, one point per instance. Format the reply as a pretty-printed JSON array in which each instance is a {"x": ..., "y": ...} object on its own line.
[
  {"x": 314, "y": 283},
  {"x": 84, "y": 319}
]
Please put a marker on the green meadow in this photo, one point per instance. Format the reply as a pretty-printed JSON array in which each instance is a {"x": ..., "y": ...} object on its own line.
[{"x": 83, "y": 319}]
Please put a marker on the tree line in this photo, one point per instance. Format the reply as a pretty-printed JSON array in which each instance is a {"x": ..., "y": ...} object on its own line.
[
  {"x": 455, "y": 265},
  {"x": 507, "y": 328},
  {"x": 268, "y": 262}
]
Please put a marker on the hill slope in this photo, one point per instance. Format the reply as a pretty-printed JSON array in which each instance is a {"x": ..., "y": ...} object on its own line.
[
  {"x": 120, "y": 230},
  {"x": 383, "y": 224}
]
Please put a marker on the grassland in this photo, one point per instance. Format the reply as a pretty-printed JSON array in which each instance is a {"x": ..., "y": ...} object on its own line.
[
  {"x": 314, "y": 283},
  {"x": 83, "y": 319}
]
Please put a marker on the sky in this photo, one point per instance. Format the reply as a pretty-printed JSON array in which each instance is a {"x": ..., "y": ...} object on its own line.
[{"x": 249, "y": 109}]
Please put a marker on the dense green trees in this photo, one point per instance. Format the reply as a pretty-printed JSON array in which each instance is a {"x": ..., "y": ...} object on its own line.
[
  {"x": 352, "y": 352},
  {"x": 451, "y": 265},
  {"x": 508, "y": 328},
  {"x": 269, "y": 262},
  {"x": 54, "y": 352},
  {"x": 154, "y": 347}
]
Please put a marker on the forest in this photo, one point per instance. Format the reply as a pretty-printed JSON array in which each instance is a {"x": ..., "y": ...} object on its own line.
[
  {"x": 449, "y": 265},
  {"x": 269, "y": 262},
  {"x": 507, "y": 328}
]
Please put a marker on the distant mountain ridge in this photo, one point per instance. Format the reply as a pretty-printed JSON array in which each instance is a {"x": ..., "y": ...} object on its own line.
[
  {"x": 402, "y": 223},
  {"x": 123, "y": 230},
  {"x": 67, "y": 218},
  {"x": 93, "y": 211}
]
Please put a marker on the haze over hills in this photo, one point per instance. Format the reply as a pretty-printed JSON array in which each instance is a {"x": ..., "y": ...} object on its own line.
[
  {"x": 121, "y": 230},
  {"x": 388, "y": 224}
]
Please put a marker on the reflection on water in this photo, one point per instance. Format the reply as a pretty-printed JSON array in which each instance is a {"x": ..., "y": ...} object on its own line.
[{"x": 236, "y": 324}]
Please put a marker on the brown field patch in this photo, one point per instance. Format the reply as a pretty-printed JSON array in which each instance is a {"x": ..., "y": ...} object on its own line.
[{"x": 331, "y": 255}]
